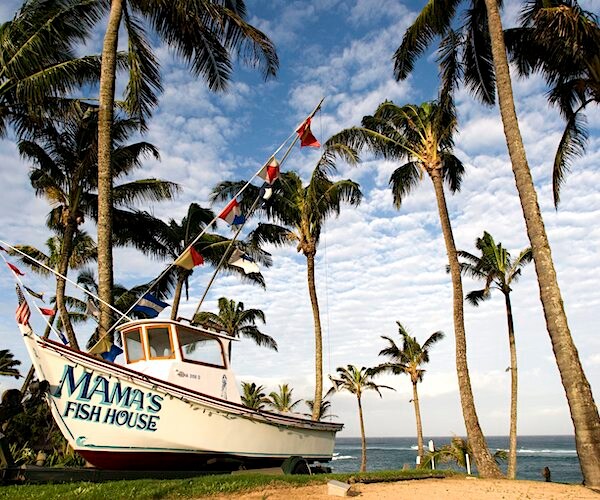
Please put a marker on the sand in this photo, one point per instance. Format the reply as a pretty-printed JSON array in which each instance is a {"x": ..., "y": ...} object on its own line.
[{"x": 439, "y": 489}]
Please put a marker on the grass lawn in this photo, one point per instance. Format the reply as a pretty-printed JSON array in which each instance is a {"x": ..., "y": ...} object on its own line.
[{"x": 195, "y": 487}]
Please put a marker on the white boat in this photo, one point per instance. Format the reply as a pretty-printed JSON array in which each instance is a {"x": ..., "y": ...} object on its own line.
[{"x": 172, "y": 404}]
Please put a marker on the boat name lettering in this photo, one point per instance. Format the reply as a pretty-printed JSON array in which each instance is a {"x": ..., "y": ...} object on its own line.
[{"x": 138, "y": 409}]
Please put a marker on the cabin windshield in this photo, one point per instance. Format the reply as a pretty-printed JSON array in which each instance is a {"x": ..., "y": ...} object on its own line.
[
  {"x": 199, "y": 348},
  {"x": 134, "y": 349},
  {"x": 159, "y": 342}
]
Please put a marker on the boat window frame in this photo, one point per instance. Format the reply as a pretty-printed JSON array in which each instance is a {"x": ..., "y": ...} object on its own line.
[
  {"x": 143, "y": 342},
  {"x": 184, "y": 359},
  {"x": 149, "y": 356}
]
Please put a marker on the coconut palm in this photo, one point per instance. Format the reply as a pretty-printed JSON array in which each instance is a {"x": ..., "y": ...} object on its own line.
[
  {"x": 283, "y": 400},
  {"x": 356, "y": 381},
  {"x": 324, "y": 411},
  {"x": 408, "y": 360},
  {"x": 423, "y": 135},
  {"x": 499, "y": 270},
  {"x": 203, "y": 33},
  {"x": 253, "y": 396},
  {"x": 570, "y": 63},
  {"x": 302, "y": 211},
  {"x": 64, "y": 172},
  {"x": 236, "y": 321},
  {"x": 8, "y": 364},
  {"x": 435, "y": 20},
  {"x": 37, "y": 61}
]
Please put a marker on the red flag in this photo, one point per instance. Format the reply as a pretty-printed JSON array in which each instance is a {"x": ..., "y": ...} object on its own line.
[
  {"x": 22, "y": 314},
  {"x": 270, "y": 172},
  {"x": 47, "y": 312},
  {"x": 15, "y": 269},
  {"x": 189, "y": 259},
  {"x": 306, "y": 136}
]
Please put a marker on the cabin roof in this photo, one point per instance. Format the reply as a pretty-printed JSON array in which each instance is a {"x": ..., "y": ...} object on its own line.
[{"x": 165, "y": 321}]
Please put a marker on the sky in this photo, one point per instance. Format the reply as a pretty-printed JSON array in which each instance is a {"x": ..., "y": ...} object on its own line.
[{"x": 375, "y": 264}]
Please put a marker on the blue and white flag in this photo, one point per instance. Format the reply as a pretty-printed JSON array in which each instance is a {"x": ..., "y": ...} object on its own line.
[
  {"x": 243, "y": 261},
  {"x": 150, "y": 306}
]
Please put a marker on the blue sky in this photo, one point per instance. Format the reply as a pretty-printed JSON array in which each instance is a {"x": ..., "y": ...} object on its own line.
[{"x": 375, "y": 264}]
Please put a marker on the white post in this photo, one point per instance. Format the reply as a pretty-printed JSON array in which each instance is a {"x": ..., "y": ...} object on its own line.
[
  {"x": 468, "y": 461},
  {"x": 432, "y": 449},
  {"x": 418, "y": 460}
]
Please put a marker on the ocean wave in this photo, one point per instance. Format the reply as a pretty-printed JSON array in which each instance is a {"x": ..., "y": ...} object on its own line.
[
  {"x": 337, "y": 456},
  {"x": 547, "y": 451}
]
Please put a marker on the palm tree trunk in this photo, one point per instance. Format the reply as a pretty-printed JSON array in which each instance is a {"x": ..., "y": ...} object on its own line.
[
  {"x": 419, "y": 424},
  {"x": 486, "y": 465},
  {"x": 512, "y": 447},
  {"x": 63, "y": 268},
  {"x": 363, "y": 439},
  {"x": 584, "y": 411},
  {"x": 105, "y": 176},
  {"x": 312, "y": 291},
  {"x": 177, "y": 297}
]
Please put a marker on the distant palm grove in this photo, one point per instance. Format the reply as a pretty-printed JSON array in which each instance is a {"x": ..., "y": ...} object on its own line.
[{"x": 82, "y": 154}]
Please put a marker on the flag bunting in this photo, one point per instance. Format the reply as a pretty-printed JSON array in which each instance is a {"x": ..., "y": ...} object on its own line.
[
  {"x": 270, "y": 172},
  {"x": 15, "y": 269},
  {"x": 232, "y": 214},
  {"x": 306, "y": 136},
  {"x": 189, "y": 259},
  {"x": 34, "y": 294},
  {"x": 243, "y": 261},
  {"x": 47, "y": 312},
  {"x": 150, "y": 306},
  {"x": 91, "y": 309}
]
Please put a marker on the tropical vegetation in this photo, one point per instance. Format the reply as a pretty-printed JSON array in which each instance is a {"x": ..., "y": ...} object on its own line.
[
  {"x": 434, "y": 21},
  {"x": 299, "y": 212},
  {"x": 282, "y": 400},
  {"x": 356, "y": 381},
  {"x": 253, "y": 396},
  {"x": 407, "y": 359},
  {"x": 499, "y": 271},
  {"x": 422, "y": 136},
  {"x": 8, "y": 364}
]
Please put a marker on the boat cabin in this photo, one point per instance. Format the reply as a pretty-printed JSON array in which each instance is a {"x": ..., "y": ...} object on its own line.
[{"x": 193, "y": 357}]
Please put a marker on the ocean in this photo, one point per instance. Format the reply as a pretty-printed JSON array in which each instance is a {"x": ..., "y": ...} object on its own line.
[{"x": 533, "y": 454}]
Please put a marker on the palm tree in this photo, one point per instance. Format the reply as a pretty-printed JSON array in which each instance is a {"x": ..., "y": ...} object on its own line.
[
  {"x": 570, "y": 64},
  {"x": 423, "y": 135},
  {"x": 584, "y": 411},
  {"x": 236, "y": 321},
  {"x": 356, "y": 381},
  {"x": 408, "y": 360},
  {"x": 324, "y": 411},
  {"x": 37, "y": 61},
  {"x": 64, "y": 172},
  {"x": 203, "y": 34},
  {"x": 436, "y": 20},
  {"x": 254, "y": 396},
  {"x": 302, "y": 210},
  {"x": 496, "y": 267},
  {"x": 282, "y": 401},
  {"x": 8, "y": 365}
]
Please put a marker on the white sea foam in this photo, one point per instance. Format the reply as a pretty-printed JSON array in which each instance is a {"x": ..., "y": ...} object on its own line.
[
  {"x": 337, "y": 456},
  {"x": 547, "y": 451}
]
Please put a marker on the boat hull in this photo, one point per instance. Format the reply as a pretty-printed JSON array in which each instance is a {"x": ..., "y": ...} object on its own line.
[{"x": 117, "y": 418}]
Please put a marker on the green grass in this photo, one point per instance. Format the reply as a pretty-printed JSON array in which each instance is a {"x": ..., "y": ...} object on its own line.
[{"x": 196, "y": 487}]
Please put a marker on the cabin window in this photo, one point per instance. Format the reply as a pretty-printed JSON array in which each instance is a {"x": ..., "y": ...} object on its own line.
[
  {"x": 133, "y": 346},
  {"x": 200, "y": 348},
  {"x": 159, "y": 343}
]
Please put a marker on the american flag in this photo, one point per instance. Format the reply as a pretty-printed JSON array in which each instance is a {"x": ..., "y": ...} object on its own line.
[{"x": 22, "y": 313}]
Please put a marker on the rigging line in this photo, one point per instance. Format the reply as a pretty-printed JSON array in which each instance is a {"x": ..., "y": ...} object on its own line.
[
  {"x": 250, "y": 213},
  {"x": 41, "y": 264},
  {"x": 20, "y": 282},
  {"x": 293, "y": 134}
]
